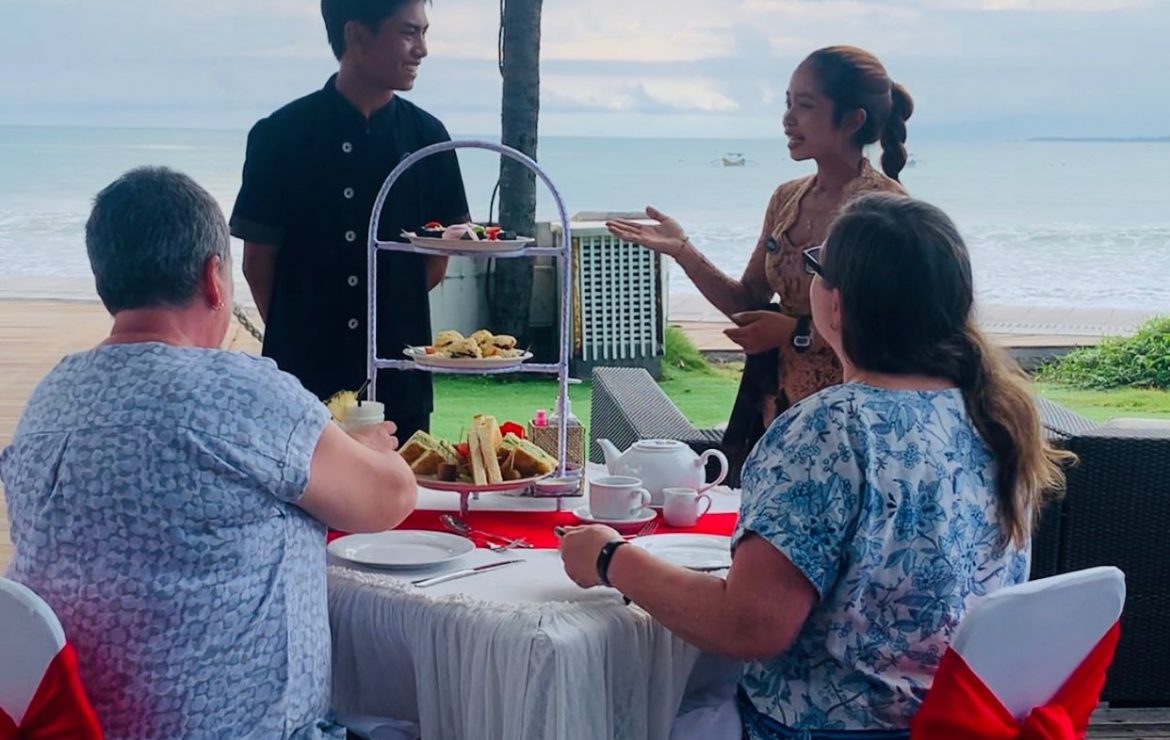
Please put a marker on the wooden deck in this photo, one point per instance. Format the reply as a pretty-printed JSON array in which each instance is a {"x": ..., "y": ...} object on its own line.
[{"x": 35, "y": 335}]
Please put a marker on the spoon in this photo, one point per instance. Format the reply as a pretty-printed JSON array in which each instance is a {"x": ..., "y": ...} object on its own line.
[{"x": 458, "y": 526}]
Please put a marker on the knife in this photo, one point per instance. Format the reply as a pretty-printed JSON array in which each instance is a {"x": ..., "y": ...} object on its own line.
[{"x": 435, "y": 580}]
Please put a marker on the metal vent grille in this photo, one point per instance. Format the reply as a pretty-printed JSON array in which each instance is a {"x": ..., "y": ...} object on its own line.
[{"x": 620, "y": 299}]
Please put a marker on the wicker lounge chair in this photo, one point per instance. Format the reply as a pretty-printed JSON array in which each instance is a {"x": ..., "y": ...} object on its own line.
[{"x": 628, "y": 406}]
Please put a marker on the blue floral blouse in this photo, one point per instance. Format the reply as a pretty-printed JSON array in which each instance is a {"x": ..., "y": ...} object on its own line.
[{"x": 885, "y": 501}]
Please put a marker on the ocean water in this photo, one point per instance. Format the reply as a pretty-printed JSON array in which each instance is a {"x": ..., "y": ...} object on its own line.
[{"x": 1047, "y": 223}]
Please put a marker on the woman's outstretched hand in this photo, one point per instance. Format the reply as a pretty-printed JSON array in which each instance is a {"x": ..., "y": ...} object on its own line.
[{"x": 666, "y": 236}]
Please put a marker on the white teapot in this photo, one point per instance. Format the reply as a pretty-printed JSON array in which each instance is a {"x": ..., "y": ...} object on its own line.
[{"x": 663, "y": 463}]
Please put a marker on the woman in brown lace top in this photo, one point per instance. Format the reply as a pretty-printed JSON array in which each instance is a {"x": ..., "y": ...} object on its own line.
[{"x": 839, "y": 100}]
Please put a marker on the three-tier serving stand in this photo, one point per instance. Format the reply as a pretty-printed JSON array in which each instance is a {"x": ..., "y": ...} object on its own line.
[{"x": 564, "y": 482}]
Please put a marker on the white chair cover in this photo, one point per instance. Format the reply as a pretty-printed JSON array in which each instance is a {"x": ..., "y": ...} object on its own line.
[
  {"x": 1025, "y": 641},
  {"x": 30, "y": 637}
]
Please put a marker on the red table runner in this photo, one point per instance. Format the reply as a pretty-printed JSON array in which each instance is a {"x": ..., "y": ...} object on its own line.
[{"x": 537, "y": 526}]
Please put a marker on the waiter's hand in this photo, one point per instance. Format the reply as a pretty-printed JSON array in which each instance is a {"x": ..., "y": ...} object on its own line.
[
  {"x": 760, "y": 331},
  {"x": 378, "y": 437}
]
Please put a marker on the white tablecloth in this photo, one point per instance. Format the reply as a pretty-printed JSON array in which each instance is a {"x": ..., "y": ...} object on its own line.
[{"x": 513, "y": 654}]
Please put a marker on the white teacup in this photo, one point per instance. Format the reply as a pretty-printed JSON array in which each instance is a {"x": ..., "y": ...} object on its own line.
[
  {"x": 617, "y": 497},
  {"x": 680, "y": 506}
]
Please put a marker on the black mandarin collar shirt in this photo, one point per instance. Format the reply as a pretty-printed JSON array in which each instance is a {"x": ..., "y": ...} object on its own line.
[{"x": 312, "y": 173}]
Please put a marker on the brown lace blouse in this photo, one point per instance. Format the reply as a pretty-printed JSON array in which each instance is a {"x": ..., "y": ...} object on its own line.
[{"x": 781, "y": 274}]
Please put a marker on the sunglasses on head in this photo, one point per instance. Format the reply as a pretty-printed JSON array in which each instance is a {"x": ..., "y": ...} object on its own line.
[{"x": 812, "y": 261}]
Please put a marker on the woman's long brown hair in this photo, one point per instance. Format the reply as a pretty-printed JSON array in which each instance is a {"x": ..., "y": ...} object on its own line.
[{"x": 907, "y": 301}]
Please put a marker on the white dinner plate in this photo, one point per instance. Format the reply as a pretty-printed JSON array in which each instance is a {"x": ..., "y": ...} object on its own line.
[
  {"x": 402, "y": 549},
  {"x": 420, "y": 357},
  {"x": 468, "y": 245},
  {"x": 697, "y": 551}
]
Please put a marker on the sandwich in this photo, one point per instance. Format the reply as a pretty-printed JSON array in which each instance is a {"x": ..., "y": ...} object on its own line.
[
  {"x": 463, "y": 348},
  {"x": 523, "y": 459},
  {"x": 503, "y": 342},
  {"x": 484, "y": 442},
  {"x": 500, "y": 345},
  {"x": 445, "y": 339},
  {"x": 481, "y": 337},
  {"x": 426, "y": 454}
]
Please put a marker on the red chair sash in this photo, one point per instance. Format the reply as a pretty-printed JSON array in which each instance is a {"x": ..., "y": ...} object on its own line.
[
  {"x": 959, "y": 706},
  {"x": 59, "y": 709}
]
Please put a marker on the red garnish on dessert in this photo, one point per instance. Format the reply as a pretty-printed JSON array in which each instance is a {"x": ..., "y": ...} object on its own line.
[{"x": 511, "y": 427}]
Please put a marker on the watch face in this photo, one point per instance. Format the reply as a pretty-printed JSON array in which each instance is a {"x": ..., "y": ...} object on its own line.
[{"x": 772, "y": 245}]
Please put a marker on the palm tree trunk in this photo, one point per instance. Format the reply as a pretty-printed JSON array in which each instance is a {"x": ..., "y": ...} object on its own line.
[{"x": 512, "y": 282}]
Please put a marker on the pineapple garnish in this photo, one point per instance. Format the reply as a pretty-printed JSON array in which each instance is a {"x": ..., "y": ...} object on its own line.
[{"x": 339, "y": 404}]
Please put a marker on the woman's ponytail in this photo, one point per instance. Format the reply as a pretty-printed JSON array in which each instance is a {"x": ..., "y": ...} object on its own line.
[{"x": 894, "y": 154}]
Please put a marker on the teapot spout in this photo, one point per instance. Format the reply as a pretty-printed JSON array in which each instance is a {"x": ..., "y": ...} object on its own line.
[{"x": 611, "y": 453}]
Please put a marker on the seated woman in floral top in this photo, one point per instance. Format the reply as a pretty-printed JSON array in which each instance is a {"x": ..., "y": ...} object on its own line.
[{"x": 875, "y": 512}]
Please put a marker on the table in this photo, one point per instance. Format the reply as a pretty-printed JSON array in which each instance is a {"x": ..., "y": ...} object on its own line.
[{"x": 513, "y": 654}]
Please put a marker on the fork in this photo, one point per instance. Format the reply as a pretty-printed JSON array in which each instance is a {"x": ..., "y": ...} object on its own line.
[
  {"x": 646, "y": 530},
  {"x": 509, "y": 545}
]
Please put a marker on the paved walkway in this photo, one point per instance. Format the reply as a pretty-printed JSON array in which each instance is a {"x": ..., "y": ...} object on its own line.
[{"x": 1016, "y": 327}]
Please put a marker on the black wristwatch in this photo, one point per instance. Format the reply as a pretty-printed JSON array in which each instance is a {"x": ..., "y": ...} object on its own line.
[
  {"x": 603, "y": 559},
  {"x": 802, "y": 334}
]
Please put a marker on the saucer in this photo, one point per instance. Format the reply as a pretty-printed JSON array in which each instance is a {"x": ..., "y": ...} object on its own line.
[{"x": 645, "y": 515}]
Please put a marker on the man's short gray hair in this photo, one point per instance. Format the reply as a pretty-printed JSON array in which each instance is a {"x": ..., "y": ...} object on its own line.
[{"x": 149, "y": 237}]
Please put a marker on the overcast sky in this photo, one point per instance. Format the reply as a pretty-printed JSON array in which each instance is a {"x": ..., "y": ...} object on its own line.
[{"x": 710, "y": 68}]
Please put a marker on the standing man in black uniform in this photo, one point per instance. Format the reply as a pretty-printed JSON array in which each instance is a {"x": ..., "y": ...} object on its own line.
[{"x": 313, "y": 171}]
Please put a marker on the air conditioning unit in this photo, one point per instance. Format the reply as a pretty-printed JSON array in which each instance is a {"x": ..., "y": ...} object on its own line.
[{"x": 620, "y": 295}]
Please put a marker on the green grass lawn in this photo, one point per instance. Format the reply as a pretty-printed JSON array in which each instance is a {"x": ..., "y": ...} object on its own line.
[
  {"x": 705, "y": 399},
  {"x": 705, "y": 395},
  {"x": 1106, "y": 405}
]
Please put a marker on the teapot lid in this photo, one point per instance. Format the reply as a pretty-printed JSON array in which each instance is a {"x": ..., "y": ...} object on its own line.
[{"x": 658, "y": 445}]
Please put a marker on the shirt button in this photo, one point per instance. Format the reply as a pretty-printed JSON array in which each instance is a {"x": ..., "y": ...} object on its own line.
[
  {"x": 348, "y": 193},
  {"x": 347, "y": 148},
  {"x": 351, "y": 236},
  {"x": 353, "y": 323},
  {"x": 353, "y": 281}
]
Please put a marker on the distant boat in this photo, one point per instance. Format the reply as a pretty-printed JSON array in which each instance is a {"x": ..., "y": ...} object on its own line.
[{"x": 734, "y": 159}]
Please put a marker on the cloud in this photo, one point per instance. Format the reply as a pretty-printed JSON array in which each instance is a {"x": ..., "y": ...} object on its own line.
[
  {"x": 646, "y": 95},
  {"x": 682, "y": 67},
  {"x": 1046, "y": 6}
]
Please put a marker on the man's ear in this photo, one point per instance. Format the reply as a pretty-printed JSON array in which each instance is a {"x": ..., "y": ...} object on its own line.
[
  {"x": 210, "y": 286},
  {"x": 357, "y": 37}
]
